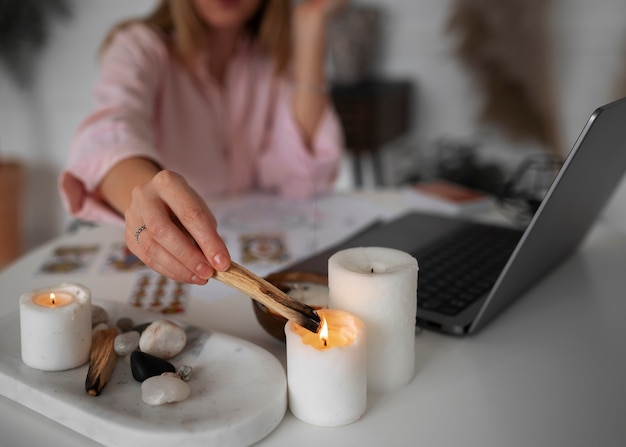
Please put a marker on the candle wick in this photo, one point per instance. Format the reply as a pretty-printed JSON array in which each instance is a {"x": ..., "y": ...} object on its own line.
[
  {"x": 372, "y": 270},
  {"x": 325, "y": 342}
]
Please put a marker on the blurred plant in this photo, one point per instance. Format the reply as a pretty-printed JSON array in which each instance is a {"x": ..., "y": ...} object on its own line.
[
  {"x": 24, "y": 32},
  {"x": 525, "y": 189},
  {"x": 457, "y": 160},
  {"x": 506, "y": 47}
]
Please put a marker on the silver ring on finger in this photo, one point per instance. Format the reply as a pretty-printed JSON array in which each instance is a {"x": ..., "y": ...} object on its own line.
[{"x": 138, "y": 232}]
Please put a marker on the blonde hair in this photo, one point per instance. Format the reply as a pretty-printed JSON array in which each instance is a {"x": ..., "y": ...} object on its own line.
[{"x": 270, "y": 27}]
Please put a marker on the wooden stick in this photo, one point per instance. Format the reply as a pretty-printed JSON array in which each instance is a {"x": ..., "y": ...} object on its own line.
[
  {"x": 101, "y": 361},
  {"x": 293, "y": 276},
  {"x": 272, "y": 297}
]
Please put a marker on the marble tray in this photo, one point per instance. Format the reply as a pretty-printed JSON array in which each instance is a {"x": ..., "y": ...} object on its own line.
[{"x": 238, "y": 392}]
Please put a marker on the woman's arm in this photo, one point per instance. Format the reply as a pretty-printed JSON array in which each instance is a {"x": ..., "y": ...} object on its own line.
[
  {"x": 118, "y": 183},
  {"x": 310, "y": 92},
  {"x": 114, "y": 166}
]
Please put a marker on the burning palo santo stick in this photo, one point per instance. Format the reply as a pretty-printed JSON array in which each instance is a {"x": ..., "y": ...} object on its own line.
[
  {"x": 101, "y": 361},
  {"x": 270, "y": 296}
]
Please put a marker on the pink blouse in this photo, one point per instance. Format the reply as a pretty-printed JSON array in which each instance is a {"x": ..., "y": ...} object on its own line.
[{"x": 223, "y": 141}]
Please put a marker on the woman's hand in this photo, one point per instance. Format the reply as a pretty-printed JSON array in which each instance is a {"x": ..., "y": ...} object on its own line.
[
  {"x": 321, "y": 8},
  {"x": 171, "y": 229},
  {"x": 310, "y": 18}
]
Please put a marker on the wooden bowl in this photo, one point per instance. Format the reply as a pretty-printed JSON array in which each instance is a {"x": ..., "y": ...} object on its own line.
[{"x": 307, "y": 287}]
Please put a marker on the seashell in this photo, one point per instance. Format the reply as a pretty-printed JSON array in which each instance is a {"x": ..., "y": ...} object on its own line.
[{"x": 163, "y": 339}]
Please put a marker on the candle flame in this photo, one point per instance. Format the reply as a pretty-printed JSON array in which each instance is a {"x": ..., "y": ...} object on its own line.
[
  {"x": 323, "y": 333},
  {"x": 52, "y": 297}
]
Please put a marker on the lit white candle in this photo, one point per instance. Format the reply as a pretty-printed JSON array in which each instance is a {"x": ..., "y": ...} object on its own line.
[
  {"x": 55, "y": 327},
  {"x": 379, "y": 286},
  {"x": 327, "y": 372}
]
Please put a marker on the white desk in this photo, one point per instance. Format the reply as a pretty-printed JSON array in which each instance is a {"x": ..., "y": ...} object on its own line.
[{"x": 550, "y": 371}]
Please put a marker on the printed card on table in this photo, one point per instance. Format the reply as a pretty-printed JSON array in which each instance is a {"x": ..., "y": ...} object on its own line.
[
  {"x": 120, "y": 259},
  {"x": 263, "y": 248},
  {"x": 70, "y": 259},
  {"x": 157, "y": 293}
]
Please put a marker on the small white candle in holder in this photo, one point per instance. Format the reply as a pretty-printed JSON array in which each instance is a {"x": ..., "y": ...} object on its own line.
[
  {"x": 379, "y": 286},
  {"x": 55, "y": 327},
  {"x": 327, "y": 371}
]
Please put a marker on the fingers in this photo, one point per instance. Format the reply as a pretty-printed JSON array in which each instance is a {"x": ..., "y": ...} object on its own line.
[
  {"x": 154, "y": 256},
  {"x": 180, "y": 238},
  {"x": 199, "y": 222}
]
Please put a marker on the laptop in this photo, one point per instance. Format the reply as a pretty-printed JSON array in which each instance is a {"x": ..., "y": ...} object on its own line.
[{"x": 582, "y": 187}]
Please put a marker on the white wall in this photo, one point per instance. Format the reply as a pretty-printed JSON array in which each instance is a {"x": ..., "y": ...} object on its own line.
[
  {"x": 37, "y": 126},
  {"x": 591, "y": 58}
]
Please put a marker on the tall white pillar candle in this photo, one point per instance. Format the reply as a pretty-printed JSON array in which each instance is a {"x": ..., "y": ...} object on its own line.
[
  {"x": 327, "y": 372},
  {"x": 379, "y": 286},
  {"x": 55, "y": 327}
]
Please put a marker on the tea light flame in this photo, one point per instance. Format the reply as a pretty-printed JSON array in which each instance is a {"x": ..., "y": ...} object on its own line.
[
  {"x": 52, "y": 297},
  {"x": 324, "y": 331}
]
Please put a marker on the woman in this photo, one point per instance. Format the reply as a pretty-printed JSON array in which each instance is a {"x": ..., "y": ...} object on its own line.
[{"x": 201, "y": 99}]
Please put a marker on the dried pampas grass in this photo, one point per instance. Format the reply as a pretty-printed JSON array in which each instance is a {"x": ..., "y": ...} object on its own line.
[
  {"x": 620, "y": 88},
  {"x": 506, "y": 46}
]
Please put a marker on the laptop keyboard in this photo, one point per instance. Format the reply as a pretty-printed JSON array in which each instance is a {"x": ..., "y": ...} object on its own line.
[{"x": 462, "y": 267}]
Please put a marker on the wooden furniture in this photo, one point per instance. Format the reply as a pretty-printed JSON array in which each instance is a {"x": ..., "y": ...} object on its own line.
[
  {"x": 373, "y": 113},
  {"x": 12, "y": 178}
]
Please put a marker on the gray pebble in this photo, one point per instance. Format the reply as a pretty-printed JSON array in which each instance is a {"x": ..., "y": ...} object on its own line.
[
  {"x": 98, "y": 315},
  {"x": 185, "y": 373},
  {"x": 125, "y": 324},
  {"x": 126, "y": 343}
]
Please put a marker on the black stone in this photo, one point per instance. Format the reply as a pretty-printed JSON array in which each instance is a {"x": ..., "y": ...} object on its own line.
[
  {"x": 141, "y": 327},
  {"x": 144, "y": 366}
]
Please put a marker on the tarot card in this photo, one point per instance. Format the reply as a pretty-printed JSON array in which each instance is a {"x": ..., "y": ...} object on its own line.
[
  {"x": 155, "y": 292},
  {"x": 70, "y": 259},
  {"x": 120, "y": 259},
  {"x": 263, "y": 248}
]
